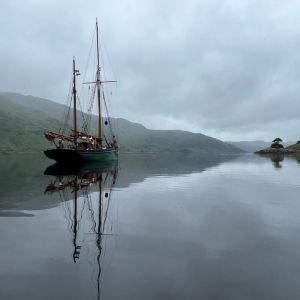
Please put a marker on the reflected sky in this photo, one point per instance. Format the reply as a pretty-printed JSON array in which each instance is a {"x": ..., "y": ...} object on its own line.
[{"x": 222, "y": 228}]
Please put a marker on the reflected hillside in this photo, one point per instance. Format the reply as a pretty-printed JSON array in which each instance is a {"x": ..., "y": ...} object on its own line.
[
  {"x": 23, "y": 180},
  {"x": 136, "y": 168},
  {"x": 22, "y": 183}
]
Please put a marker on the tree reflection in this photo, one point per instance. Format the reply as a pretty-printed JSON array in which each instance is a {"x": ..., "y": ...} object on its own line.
[{"x": 276, "y": 159}]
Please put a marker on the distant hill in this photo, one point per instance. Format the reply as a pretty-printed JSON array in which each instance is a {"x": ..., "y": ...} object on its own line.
[
  {"x": 253, "y": 146},
  {"x": 24, "y": 119}
]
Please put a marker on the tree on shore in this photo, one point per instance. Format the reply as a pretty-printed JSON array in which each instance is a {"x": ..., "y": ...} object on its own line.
[{"x": 276, "y": 143}]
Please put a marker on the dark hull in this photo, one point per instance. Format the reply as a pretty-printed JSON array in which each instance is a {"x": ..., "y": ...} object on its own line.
[{"x": 72, "y": 155}]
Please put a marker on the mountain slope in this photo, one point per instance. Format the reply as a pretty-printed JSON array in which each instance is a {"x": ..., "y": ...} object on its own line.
[
  {"x": 24, "y": 119},
  {"x": 251, "y": 146}
]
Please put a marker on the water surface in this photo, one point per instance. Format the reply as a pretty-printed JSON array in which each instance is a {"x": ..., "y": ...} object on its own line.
[{"x": 151, "y": 228}]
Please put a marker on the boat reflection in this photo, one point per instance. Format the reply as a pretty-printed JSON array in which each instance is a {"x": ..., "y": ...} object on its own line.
[{"x": 76, "y": 184}]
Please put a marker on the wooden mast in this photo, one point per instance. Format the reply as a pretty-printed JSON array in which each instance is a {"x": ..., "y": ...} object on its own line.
[
  {"x": 74, "y": 105},
  {"x": 98, "y": 83}
]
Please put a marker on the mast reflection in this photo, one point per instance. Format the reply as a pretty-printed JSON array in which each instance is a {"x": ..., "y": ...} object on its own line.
[{"x": 75, "y": 182}]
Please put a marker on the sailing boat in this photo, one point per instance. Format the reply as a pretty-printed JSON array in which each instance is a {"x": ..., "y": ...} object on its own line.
[{"x": 81, "y": 145}]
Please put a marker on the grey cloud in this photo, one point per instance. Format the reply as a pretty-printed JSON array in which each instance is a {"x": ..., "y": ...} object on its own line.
[{"x": 227, "y": 68}]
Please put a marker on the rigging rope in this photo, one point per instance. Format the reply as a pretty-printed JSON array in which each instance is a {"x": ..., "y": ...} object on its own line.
[
  {"x": 66, "y": 113},
  {"x": 82, "y": 113},
  {"x": 86, "y": 125},
  {"x": 103, "y": 50},
  {"x": 88, "y": 60},
  {"x": 108, "y": 117}
]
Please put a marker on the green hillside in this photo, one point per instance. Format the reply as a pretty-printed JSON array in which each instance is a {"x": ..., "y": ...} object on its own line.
[
  {"x": 24, "y": 119},
  {"x": 294, "y": 147}
]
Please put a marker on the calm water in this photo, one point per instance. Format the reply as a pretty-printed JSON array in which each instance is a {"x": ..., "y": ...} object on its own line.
[{"x": 151, "y": 228}]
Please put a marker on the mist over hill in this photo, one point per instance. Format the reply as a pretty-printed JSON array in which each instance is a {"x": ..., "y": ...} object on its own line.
[{"x": 24, "y": 119}]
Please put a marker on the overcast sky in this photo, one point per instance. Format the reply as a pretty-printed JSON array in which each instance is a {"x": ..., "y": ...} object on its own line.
[{"x": 226, "y": 68}]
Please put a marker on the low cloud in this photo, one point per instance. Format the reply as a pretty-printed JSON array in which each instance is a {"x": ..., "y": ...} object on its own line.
[{"x": 226, "y": 68}]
